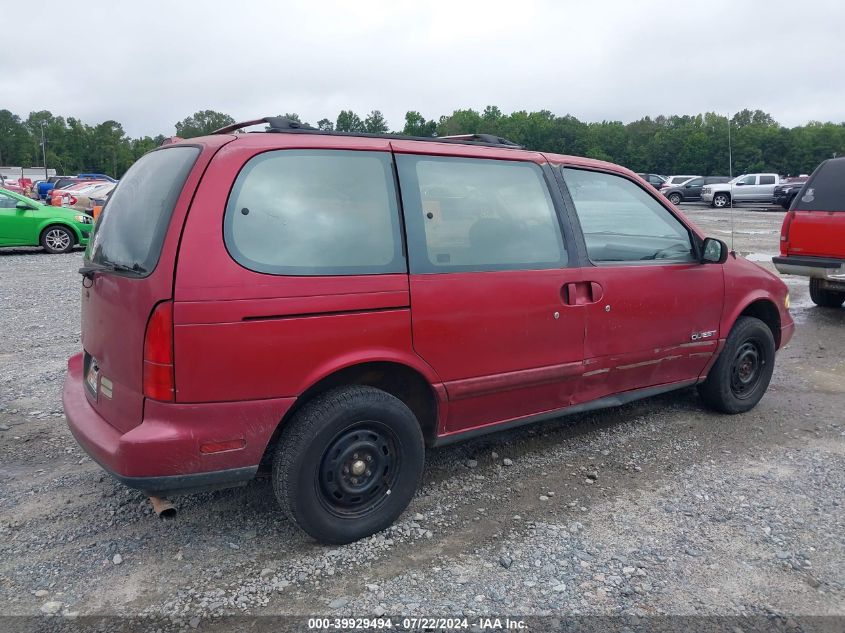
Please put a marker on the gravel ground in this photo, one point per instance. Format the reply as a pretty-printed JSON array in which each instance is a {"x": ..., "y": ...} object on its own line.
[{"x": 655, "y": 508}]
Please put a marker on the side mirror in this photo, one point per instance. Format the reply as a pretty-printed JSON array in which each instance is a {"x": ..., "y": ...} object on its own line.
[
  {"x": 739, "y": 184},
  {"x": 714, "y": 251},
  {"x": 24, "y": 206}
]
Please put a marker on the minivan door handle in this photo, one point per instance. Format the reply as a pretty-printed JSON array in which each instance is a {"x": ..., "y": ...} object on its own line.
[{"x": 582, "y": 293}]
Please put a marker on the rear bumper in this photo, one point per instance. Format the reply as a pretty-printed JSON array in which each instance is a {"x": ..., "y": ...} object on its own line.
[
  {"x": 832, "y": 269},
  {"x": 163, "y": 453}
]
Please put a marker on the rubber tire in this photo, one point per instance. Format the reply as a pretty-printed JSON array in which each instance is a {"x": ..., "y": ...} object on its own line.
[
  {"x": 721, "y": 195},
  {"x": 49, "y": 249},
  {"x": 309, "y": 433},
  {"x": 715, "y": 391},
  {"x": 823, "y": 297},
  {"x": 675, "y": 198}
]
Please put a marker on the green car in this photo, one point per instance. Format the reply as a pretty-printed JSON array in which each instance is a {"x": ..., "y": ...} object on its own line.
[{"x": 25, "y": 222}]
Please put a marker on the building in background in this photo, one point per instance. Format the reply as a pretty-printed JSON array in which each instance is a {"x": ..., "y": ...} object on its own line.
[{"x": 33, "y": 173}]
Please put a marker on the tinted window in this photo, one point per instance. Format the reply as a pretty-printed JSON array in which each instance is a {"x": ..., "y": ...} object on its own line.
[
  {"x": 767, "y": 180},
  {"x": 621, "y": 222},
  {"x": 133, "y": 224},
  {"x": 7, "y": 202},
  {"x": 468, "y": 214},
  {"x": 825, "y": 191},
  {"x": 315, "y": 212}
]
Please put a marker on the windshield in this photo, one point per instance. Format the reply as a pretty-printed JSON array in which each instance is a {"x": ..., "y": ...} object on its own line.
[{"x": 131, "y": 229}]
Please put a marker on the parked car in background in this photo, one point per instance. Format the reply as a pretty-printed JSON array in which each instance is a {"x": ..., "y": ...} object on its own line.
[
  {"x": 58, "y": 182},
  {"x": 785, "y": 193},
  {"x": 83, "y": 199},
  {"x": 745, "y": 188},
  {"x": 10, "y": 184},
  {"x": 690, "y": 191},
  {"x": 57, "y": 194},
  {"x": 429, "y": 290},
  {"x": 43, "y": 187},
  {"x": 812, "y": 237},
  {"x": 655, "y": 180},
  {"x": 26, "y": 222},
  {"x": 673, "y": 181},
  {"x": 97, "y": 177}
]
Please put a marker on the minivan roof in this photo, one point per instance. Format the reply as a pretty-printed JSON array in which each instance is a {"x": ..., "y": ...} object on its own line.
[
  {"x": 318, "y": 139},
  {"x": 277, "y": 124}
]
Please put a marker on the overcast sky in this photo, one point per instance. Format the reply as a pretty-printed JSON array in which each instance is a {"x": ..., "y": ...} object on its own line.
[{"x": 149, "y": 64}]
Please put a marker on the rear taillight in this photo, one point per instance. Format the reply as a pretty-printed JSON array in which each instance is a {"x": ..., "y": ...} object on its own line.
[
  {"x": 784, "y": 232},
  {"x": 69, "y": 200},
  {"x": 158, "y": 354}
]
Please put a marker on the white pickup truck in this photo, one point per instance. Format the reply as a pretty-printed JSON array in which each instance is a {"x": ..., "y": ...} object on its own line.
[{"x": 745, "y": 188}]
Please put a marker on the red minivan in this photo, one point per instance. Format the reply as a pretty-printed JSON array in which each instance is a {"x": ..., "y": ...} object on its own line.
[
  {"x": 328, "y": 304},
  {"x": 812, "y": 238}
]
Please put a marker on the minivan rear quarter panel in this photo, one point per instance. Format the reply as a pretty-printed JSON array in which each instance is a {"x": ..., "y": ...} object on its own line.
[
  {"x": 241, "y": 334},
  {"x": 115, "y": 309}
]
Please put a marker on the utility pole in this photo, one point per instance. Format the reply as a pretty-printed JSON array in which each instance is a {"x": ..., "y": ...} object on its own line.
[{"x": 44, "y": 151}]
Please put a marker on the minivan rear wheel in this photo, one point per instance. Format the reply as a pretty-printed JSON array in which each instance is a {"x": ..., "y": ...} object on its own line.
[
  {"x": 741, "y": 374},
  {"x": 57, "y": 239},
  {"x": 823, "y": 297},
  {"x": 348, "y": 463}
]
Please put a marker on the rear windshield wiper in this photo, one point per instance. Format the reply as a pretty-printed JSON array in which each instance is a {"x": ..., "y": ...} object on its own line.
[{"x": 89, "y": 269}]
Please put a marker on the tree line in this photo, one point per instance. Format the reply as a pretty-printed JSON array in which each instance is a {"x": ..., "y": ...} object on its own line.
[{"x": 687, "y": 144}]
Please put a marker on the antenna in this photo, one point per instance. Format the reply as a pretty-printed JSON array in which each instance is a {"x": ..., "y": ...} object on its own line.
[{"x": 731, "y": 175}]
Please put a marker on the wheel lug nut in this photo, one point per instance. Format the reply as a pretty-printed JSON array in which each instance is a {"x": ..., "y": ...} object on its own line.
[
  {"x": 368, "y": 473},
  {"x": 369, "y": 458},
  {"x": 354, "y": 455}
]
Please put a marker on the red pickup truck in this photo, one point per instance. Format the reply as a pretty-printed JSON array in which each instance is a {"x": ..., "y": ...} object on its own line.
[{"x": 812, "y": 238}]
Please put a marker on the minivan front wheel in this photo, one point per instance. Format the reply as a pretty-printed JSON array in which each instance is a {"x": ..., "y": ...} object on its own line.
[
  {"x": 741, "y": 374},
  {"x": 348, "y": 463},
  {"x": 57, "y": 239}
]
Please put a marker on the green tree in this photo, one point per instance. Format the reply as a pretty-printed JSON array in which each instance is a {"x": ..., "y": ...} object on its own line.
[
  {"x": 202, "y": 123},
  {"x": 416, "y": 125},
  {"x": 15, "y": 141},
  {"x": 375, "y": 123},
  {"x": 325, "y": 124},
  {"x": 348, "y": 121}
]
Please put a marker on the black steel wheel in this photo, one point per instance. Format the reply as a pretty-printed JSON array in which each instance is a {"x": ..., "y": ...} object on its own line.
[
  {"x": 740, "y": 376},
  {"x": 747, "y": 369},
  {"x": 359, "y": 469},
  {"x": 348, "y": 463}
]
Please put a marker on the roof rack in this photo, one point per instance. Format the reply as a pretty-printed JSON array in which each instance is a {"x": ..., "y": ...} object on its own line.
[{"x": 279, "y": 124}]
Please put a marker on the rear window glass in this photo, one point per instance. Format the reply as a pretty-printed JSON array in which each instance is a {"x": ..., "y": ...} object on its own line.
[
  {"x": 825, "y": 191},
  {"x": 316, "y": 212},
  {"x": 131, "y": 229}
]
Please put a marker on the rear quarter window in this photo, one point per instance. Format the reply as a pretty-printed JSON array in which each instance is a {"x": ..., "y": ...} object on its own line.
[
  {"x": 825, "y": 190},
  {"x": 316, "y": 212},
  {"x": 132, "y": 226}
]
